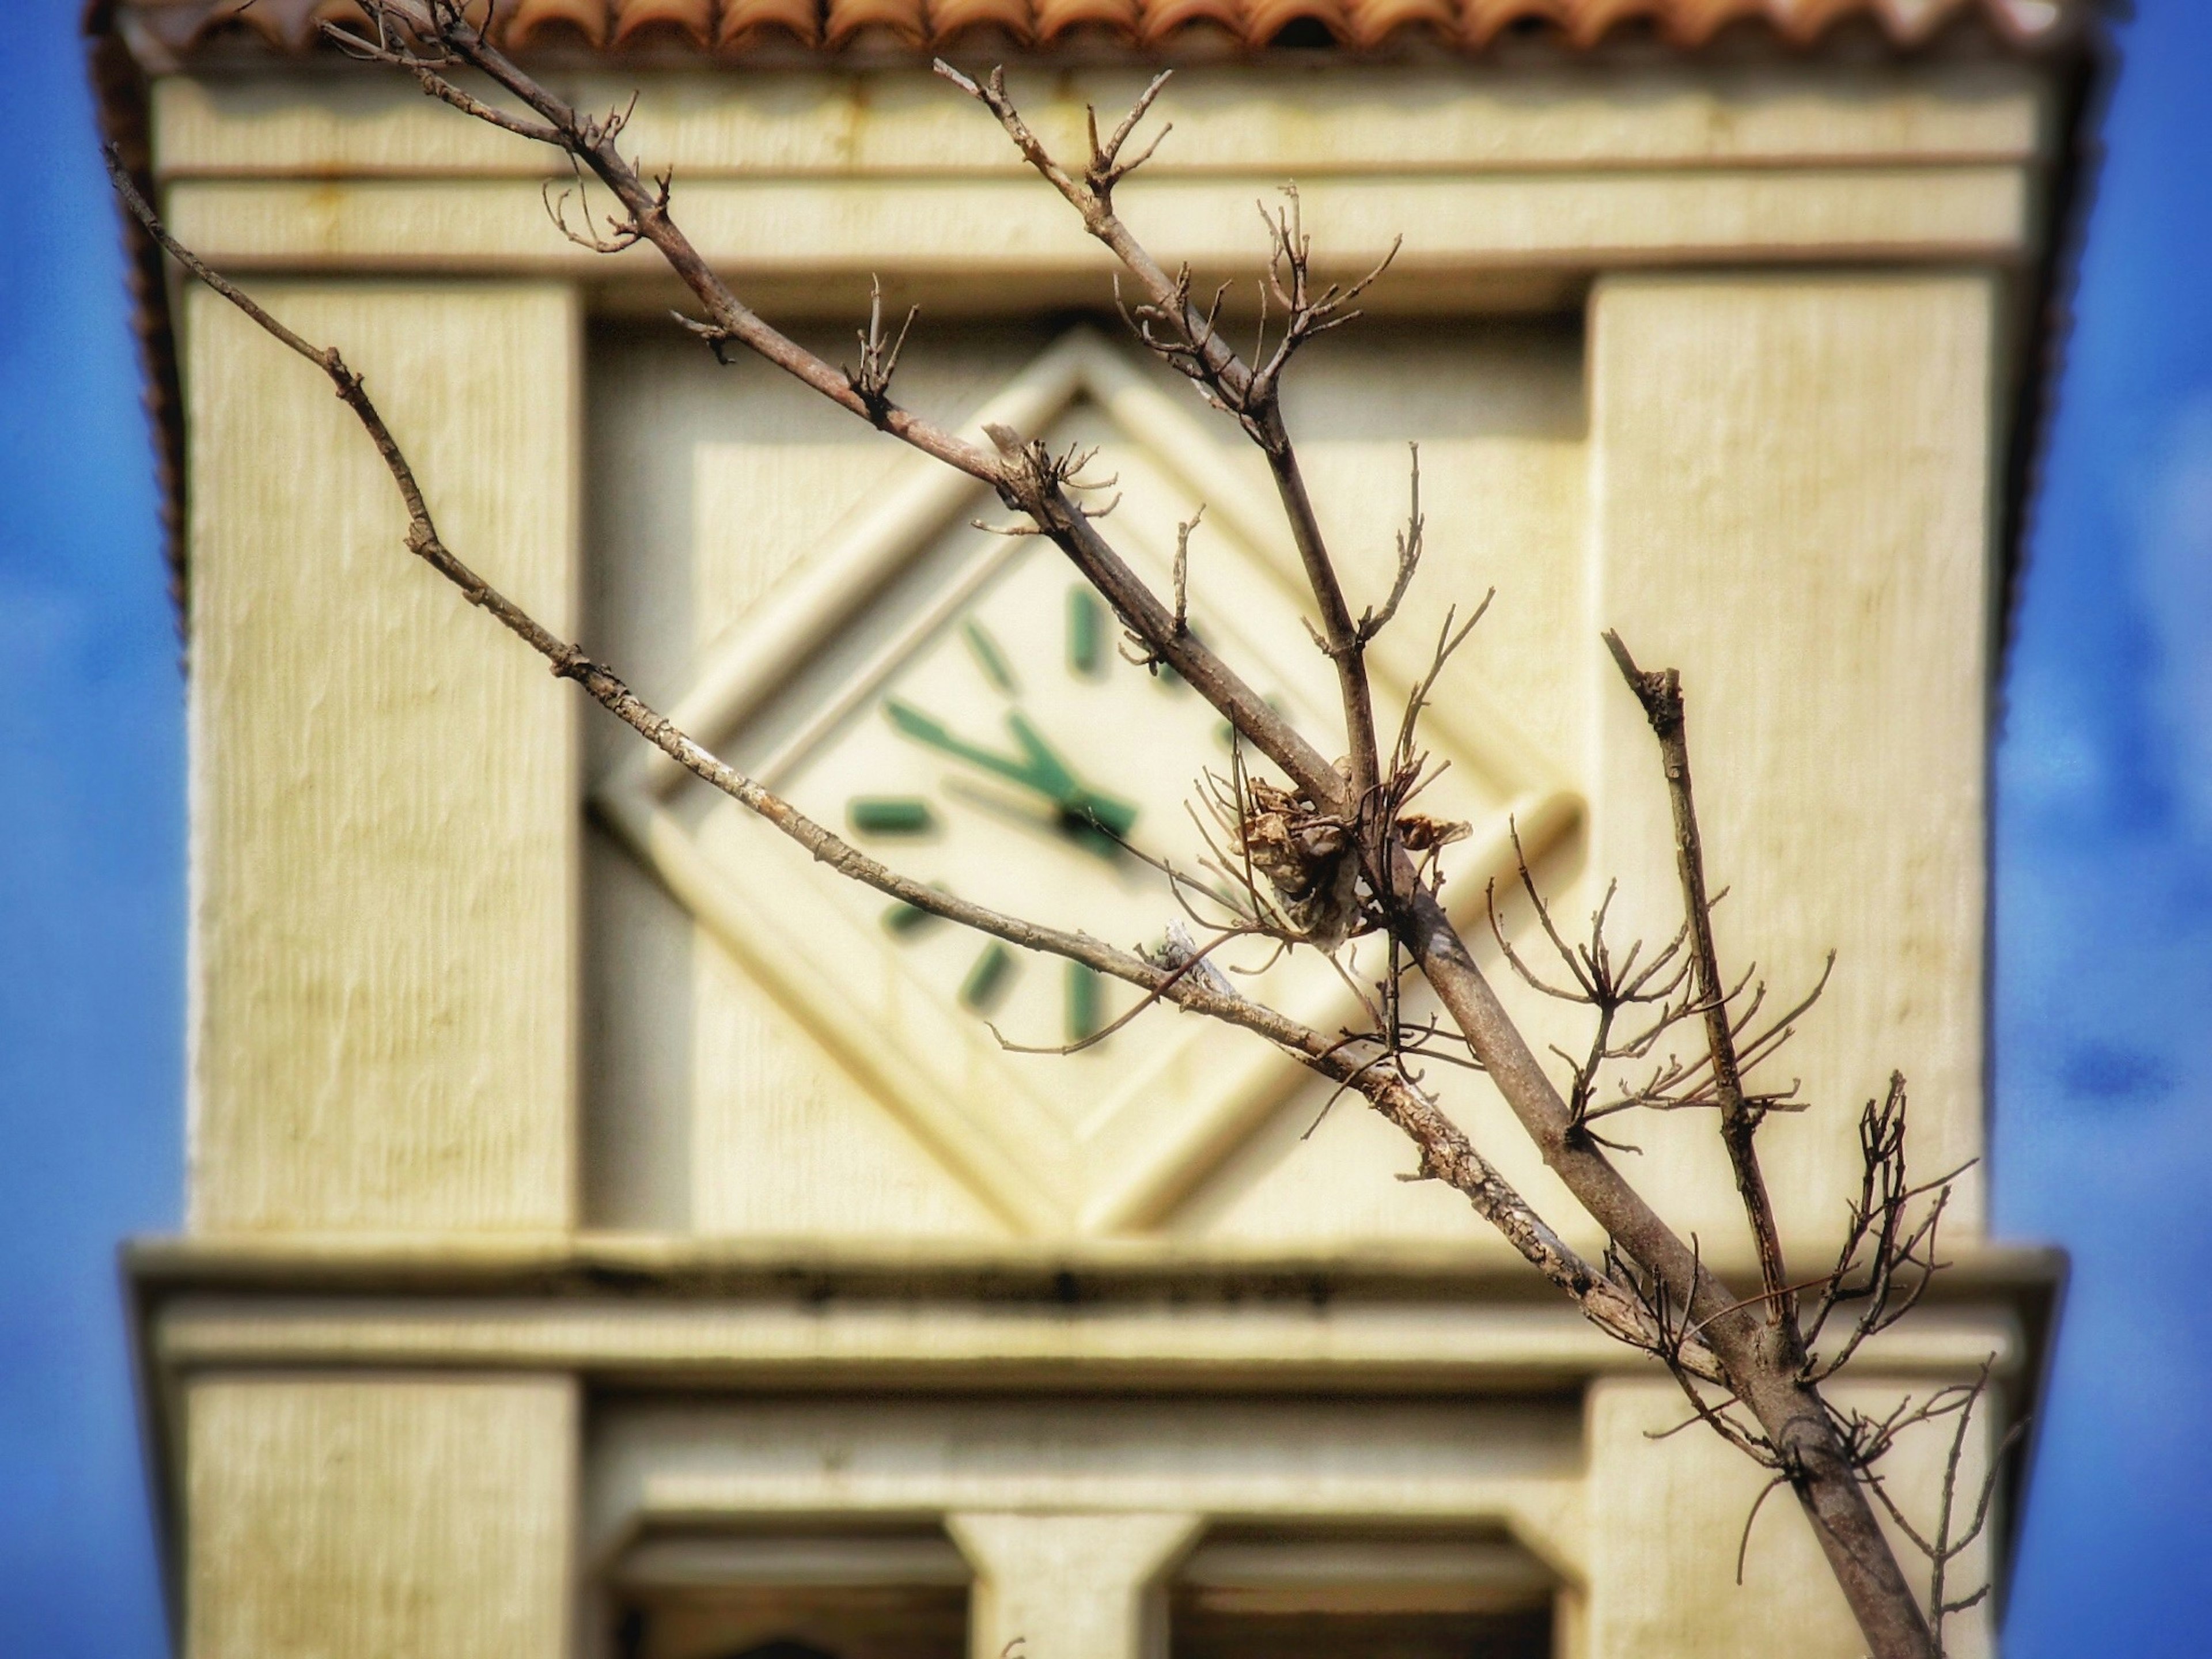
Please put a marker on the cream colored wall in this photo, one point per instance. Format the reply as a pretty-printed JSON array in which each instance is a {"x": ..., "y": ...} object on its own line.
[
  {"x": 411, "y": 1067},
  {"x": 384, "y": 828},
  {"x": 1488, "y": 173},
  {"x": 663, "y": 1464},
  {"x": 1477, "y": 118},
  {"x": 384, "y": 1515},
  {"x": 710, "y": 485},
  {"x": 1792, "y": 479},
  {"x": 1071, "y": 1514},
  {"x": 1285, "y": 1325},
  {"x": 410, "y": 1064},
  {"x": 404, "y": 935},
  {"x": 1068, "y": 1583},
  {"x": 1662, "y": 1564},
  {"x": 1783, "y": 489}
]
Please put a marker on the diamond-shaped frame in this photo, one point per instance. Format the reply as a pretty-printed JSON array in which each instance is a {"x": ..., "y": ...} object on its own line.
[{"x": 947, "y": 1078}]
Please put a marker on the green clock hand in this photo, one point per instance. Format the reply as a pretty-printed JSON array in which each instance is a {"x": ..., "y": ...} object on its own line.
[
  {"x": 1106, "y": 811},
  {"x": 1050, "y": 779},
  {"x": 1038, "y": 767}
]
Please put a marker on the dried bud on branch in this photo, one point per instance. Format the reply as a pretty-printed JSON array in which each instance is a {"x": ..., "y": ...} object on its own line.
[{"x": 1309, "y": 857}]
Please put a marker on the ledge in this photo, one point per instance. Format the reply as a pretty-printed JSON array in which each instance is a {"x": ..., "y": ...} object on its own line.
[{"x": 659, "y": 1312}]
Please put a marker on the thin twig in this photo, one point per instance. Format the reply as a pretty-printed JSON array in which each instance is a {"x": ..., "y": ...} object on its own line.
[{"x": 1661, "y": 695}]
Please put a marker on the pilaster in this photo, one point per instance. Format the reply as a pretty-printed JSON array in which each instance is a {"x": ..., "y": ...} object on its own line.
[{"x": 385, "y": 817}]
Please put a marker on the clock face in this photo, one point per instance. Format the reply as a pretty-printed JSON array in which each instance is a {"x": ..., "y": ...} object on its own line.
[
  {"x": 957, "y": 705},
  {"x": 1005, "y": 750}
]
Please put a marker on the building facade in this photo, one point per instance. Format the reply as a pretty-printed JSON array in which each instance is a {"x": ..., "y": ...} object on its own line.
[{"x": 611, "y": 1236}]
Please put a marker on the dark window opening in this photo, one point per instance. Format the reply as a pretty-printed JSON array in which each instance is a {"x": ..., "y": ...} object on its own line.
[
  {"x": 747, "y": 1596},
  {"x": 1360, "y": 1597}
]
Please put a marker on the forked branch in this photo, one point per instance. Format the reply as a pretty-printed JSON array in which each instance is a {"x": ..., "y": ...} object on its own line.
[
  {"x": 1190, "y": 341},
  {"x": 879, "y": 355},
  {"x": 1888, "y": 1255},
  {"x": 432, "y": 40}
]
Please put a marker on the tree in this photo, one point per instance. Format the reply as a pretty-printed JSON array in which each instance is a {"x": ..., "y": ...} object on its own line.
[{"x": 1307, "y": 853}]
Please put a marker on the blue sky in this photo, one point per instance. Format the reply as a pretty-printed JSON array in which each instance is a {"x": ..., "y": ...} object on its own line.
[
  {"x": 2104, "y": 973},
  {"x": 91, "y": 882},
  {"x": 2104, "y": 1111}
]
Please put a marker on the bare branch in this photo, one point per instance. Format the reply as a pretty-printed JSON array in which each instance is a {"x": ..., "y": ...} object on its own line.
[
  {"x": 1661, "y": 695},
  {"x": 592, "y": 141},
  {"x": 872, "y": 381},
  {"x": 1450, "y": 637},
  {"x": 1189, "y": 341},
  {"x": 1872, "y": 1438},
  {"x": 1446, "y": 1153},
  {"x": 1107, "y": 169},
  {"x": 425, "y": 70},
  {"x": 1887, "y": 1257},
  {"x": 1182, "y": 570},
  {"x": 1212, "y": 362},
  {"x": 1371, "y": 622}
]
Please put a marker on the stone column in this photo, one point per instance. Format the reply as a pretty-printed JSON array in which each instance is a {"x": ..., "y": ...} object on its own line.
[
  {"x": 1670, "y": 1513},
  {"x": 385, "y": 797},
  {"x": 390, "y": 1516},
  {"x": 1792, "y": 476},
  {"x": 1067, "y": 1586}
]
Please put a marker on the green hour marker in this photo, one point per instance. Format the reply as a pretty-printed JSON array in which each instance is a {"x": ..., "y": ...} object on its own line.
[
  {"x": 988, "y": 657},
  {"x": 891, "y": 815},
  {"x": 904, "y": 921},
  {"x": 1087, "y": 633},
  {"x": 1081, "y": 1003},
  {"x": 988, "y": 980}
]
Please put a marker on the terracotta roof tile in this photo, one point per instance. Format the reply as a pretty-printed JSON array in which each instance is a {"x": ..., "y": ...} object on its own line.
[
  {"x": 694, "y": 18},
  {"x": 1161, "y": 19},
  {"x": 903, "y": 18},
  {"x": 746, "y": 21},
  {"x": 590, "y": 18},
  {"x": 1373, "y": 21},
  {"x": 949, "y": 19},
  {"x": 175, "y": 28}
]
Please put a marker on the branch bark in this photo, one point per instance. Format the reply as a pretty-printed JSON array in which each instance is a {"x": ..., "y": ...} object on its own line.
[
  {"x": 1661, "y": 695},
  {"x": 1252, "y": 392},
  {"x": 593, "y": 141}
]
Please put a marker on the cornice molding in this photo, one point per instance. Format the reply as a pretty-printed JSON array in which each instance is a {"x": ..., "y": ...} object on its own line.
[{"x": 164, "y": 33}]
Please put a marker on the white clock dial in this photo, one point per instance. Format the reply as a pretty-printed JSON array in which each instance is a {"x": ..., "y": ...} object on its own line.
[{"x": 1010, "y": 754}]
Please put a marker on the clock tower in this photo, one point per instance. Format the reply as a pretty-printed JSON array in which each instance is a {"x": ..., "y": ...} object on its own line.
[{"x": 614, "y": 1237}]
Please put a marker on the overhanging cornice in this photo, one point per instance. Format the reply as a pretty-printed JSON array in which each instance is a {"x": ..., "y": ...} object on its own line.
[{"x": 164, "y": 33}]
